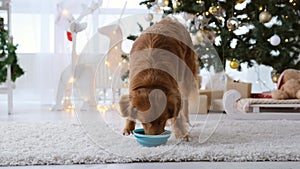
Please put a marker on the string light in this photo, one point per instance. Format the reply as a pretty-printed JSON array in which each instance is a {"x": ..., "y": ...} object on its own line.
[
  {"x": 107, "y": 63},
  {"x": 102, "y": 108},
  {"x": 65, "y": 12},
  {"x": 71, "y": 80}
]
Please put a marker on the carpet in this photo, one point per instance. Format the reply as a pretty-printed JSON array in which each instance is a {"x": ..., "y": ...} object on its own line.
[{"x": 59, "y": 143}]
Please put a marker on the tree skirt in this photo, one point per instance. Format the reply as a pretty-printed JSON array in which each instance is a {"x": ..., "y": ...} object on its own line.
[{"x": 68, "y": 143}]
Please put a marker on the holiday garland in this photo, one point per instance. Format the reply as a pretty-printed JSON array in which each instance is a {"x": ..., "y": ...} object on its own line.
[{"x": 8, "y": 56}]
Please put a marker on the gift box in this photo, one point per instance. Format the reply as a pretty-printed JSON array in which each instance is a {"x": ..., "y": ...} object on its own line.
[
  {"x": 242, "y": 87},
  {"x": 202, "y": 104},
  {"x": 212, "y": 95},
  {"x": 217, "y": 105},
  {"x": 262, "y": 95}
]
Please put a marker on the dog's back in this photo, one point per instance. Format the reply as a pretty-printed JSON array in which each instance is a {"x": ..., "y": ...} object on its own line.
[{"x": 155, "y": 47}]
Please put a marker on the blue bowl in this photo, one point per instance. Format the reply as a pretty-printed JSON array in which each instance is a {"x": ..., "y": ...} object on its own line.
[{"x": 151, "y": 140}]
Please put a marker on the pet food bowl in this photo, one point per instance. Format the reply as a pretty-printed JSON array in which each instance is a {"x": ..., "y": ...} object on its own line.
[{"x": 151, "y": 140}]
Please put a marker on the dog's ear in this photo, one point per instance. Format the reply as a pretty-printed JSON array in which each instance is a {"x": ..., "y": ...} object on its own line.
[{"x": 126, "y": 108}]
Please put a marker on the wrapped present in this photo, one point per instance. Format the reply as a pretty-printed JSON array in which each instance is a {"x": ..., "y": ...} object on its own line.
[
  {"x": 242, "y": 87},
  {"x": 217, "y": 105},
  {"x": 203, "y": 104},
  {"x": 262, "y": 95},
  {"x": 212, "y": 95}
]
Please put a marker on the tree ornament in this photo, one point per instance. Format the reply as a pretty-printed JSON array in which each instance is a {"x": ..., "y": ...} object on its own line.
[
  {"x": 202, "y": 22},
  {"x": 275, "y": 77},
  {"x": 162, "y": 3},
  {"x": 149, "y": 17},
  {"x": 213, "y": 10},
  {"x": 232, "y": 23},
  {"x": 275, "y": 40},
  {"x": 234, "y": 64},
  {"x": 240, "y": 1},
  {"x": 69, "y": 36},
  {"x": 265, "y": 16}
]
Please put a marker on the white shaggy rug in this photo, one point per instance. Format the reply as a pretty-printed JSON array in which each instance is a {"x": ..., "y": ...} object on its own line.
[{"x": 66, "y": 143}]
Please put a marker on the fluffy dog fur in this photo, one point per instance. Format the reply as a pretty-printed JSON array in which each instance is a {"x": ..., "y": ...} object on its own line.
[{"x": 157, "y": 77}]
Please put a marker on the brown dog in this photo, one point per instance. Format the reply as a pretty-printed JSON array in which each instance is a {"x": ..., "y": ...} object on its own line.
[{"x": 163, "y": 66}]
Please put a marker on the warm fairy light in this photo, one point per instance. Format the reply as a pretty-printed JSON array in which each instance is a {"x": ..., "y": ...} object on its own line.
[
  {"x": 109, "y": 78},
  {"x": 67, "y": 98},
  {"x": 268, "y": 40},
  {"x": 199, "y": 1},
  {"x": 107, "y": 63},
  {"x": 260, "y": 8},
  {"x": 119, "y": 63},
  {"x": 291, "y": 1},
  {"x": 206, "y": 13},
  {"x": 71, "y": 80},
  {"x": 286, "y": 17},
  {"x": 294, "y": 4},
  {"x": 207, "y": 49},
  {"x": 65, "y": 12},
  {"x": 102, "y": 108},
  {"x": 286, "y": 40},
  {"x": 116, "y": 47}
]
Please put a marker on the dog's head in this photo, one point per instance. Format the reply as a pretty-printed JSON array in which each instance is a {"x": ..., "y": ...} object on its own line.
[{"x": 152, "y": 107}]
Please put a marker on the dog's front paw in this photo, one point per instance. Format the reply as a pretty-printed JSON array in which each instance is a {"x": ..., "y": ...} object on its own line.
[
  {"x": 129, "y": 127},
  {"x": 127, "y": 131}
]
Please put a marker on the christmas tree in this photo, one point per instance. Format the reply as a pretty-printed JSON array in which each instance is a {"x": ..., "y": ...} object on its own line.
[
  {"x": 8, "y": 56},
  {"x": 242, "y": 31}
]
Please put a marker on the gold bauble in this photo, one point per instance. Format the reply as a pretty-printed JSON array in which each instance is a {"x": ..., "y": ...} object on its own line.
[
  {"x": 166, "y": 2},
  {"x": 240, "y": 1},
  {"x": 275, "y": 77},
  {"x": 265, "y": 16},
  {"x": 213, "y": 10},
  {"x": 234, "y": 64}
]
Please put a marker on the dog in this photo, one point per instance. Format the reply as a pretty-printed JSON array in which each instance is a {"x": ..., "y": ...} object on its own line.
[{"x": 163, "y": 66}]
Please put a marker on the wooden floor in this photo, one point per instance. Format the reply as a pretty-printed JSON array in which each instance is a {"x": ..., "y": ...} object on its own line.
[{"x": 35, "y": 112}]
